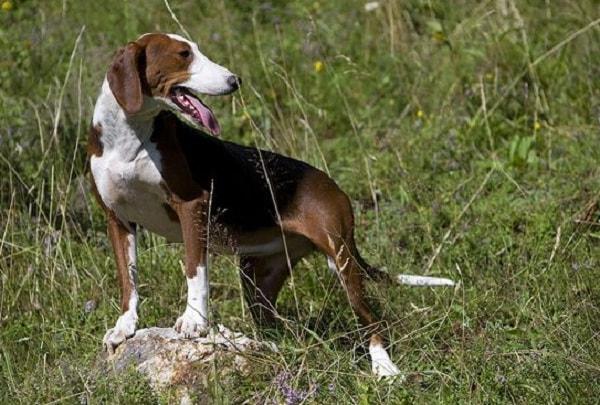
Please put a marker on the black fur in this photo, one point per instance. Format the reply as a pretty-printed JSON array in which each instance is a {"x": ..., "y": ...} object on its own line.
[{"x": 241, "y": 197}]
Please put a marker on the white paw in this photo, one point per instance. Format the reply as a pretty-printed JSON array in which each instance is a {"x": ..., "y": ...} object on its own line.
[
  {"x": 191, "y": 324},
  {"x": 385, "y": 368},
  {"x": 124, "y": 328},
  {"x": 382, "y": 365}
]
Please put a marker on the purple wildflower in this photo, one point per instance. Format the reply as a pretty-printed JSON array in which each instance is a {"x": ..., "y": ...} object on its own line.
[{"x": 290, "y": 395}]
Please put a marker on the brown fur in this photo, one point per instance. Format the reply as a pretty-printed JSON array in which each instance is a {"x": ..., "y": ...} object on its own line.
[
  {"x": 262, "y": 279},
  {"x": 166, "y": 62},
  {"x": 118, "y": 232},
  {"x": 94, "y": 145},
  {"x": 151, "y": 66},
  {"x": 192, "y": 216},
  {"x": 124, "y": 78},
  {"x": 322, "y": 213}
]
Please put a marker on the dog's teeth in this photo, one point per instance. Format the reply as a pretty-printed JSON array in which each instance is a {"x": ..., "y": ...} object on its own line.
[{"x": 188, "y": 107}]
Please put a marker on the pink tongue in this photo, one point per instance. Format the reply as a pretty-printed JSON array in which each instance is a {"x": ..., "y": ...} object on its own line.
[{"x": 207, "y": 118}]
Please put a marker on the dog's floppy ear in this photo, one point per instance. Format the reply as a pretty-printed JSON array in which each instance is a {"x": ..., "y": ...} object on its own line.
[{"x": 124, "y": 78}]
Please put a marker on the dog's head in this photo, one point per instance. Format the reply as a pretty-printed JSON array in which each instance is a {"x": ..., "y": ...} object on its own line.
[{"x": 168, "y": 71}]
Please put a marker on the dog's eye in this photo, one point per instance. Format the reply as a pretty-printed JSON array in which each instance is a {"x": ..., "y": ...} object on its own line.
[{"x": 184, "y": 54}]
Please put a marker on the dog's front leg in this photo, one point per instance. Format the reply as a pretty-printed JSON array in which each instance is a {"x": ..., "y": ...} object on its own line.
[
  {"x": 122, "y": 237},
  {"x": 192, "y": 216}
]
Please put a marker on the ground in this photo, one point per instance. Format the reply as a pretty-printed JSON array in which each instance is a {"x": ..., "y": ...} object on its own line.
[{"x": 466, "y": 134}]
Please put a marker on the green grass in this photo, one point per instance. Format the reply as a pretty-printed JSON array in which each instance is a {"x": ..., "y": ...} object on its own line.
[{"x": 466, "y": 134}]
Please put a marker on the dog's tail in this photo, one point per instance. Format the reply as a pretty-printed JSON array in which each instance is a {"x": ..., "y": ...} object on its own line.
[{"x": 376, "y": 274}]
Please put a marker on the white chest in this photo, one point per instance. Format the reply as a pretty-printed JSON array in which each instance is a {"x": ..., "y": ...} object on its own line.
[
  {"x": 128, "y": 172},
  {"x": 132, "y": 188},
  {"x": 120, "y": 181}
]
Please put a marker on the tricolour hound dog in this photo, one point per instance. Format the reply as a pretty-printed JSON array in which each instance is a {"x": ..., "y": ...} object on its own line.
[{"x": 155, "y": 164}]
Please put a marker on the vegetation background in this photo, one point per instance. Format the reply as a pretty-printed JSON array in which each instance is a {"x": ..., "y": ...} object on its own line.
[{"x": 467, "y": 134}]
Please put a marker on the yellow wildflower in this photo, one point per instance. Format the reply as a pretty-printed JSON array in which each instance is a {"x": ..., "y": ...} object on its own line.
[
  {"x": 420, "y": 114},
  {"x": 438, "y": 36},
  {"x": 7, "y": 6},
  {"x": 318, "y": 66},
  {"x": 537, "y": 125}
]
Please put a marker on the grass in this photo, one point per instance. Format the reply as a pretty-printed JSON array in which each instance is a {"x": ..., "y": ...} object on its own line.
[{"x": 466, "y": 134}]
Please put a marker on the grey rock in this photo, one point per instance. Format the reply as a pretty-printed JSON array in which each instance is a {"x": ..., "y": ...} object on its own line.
[
  {"x": 168, "y": 360},
  {"x": 89, "y": 306}
]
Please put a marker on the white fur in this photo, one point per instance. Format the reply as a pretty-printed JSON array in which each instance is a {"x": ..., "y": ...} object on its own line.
[
  {"x": 127, "y": 174},
  {"x": 423, "y": 281},
  {"x": 206, "y": 76},
  {"x": 331, "y": 264},
  {"x": 382, "y": 365},
  {"x": 132, "y": 258},
  {"x": 127, "y": 322},
  {"x": 406, "y": 279},
  {"x": 194, "y": 321},
  {"x": 124, "y": 328}
]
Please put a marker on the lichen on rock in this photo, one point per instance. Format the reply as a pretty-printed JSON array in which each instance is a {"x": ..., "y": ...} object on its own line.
[{"x": 168, "y": 360}]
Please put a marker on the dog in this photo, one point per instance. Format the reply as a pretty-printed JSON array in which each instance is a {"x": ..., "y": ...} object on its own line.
[{"x": 156, "y": 163}]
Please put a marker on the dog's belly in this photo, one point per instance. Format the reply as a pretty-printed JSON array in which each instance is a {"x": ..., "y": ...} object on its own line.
[{"x": 259, "y": 243}]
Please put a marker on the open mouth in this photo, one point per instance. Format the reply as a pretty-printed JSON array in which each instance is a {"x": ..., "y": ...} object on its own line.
[{"x": 196, "y": 109}]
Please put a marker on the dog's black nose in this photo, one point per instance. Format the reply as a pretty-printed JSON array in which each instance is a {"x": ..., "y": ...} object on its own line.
[{"x": 234, "y": 82}]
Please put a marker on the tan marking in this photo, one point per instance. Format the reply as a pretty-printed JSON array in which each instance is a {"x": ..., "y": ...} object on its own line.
[
  {"x": 338, "y": 259},
  {"x": 118, "y": 232},
  {"x": 166, "y": 65},
  {"x": 192, "y": 217},
  {"x": 94, "y": 145},
  {"x": 322, "y": 213}
]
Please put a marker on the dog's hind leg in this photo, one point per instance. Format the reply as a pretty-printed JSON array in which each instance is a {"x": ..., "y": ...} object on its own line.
[
  {"x": 323, "y": 214},
  {"x": 262, "y": 279},
  {"x": 347, "y": 262},
  {"x": 351, "y": 276}
]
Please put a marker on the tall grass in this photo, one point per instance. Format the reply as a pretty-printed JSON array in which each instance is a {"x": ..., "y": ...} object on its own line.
[{"x": 466, "y": 134}]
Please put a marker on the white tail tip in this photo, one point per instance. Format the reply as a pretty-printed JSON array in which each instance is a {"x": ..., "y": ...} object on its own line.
[{"x": 423, "y": 281}]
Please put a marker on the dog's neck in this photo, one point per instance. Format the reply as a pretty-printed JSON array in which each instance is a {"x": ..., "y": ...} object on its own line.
[{"x": 123, "y": 133}]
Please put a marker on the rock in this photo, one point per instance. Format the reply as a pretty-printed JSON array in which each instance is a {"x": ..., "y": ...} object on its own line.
[
  {"x": 89, "y": 306},
  {"x": 169, "y": 360}
]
